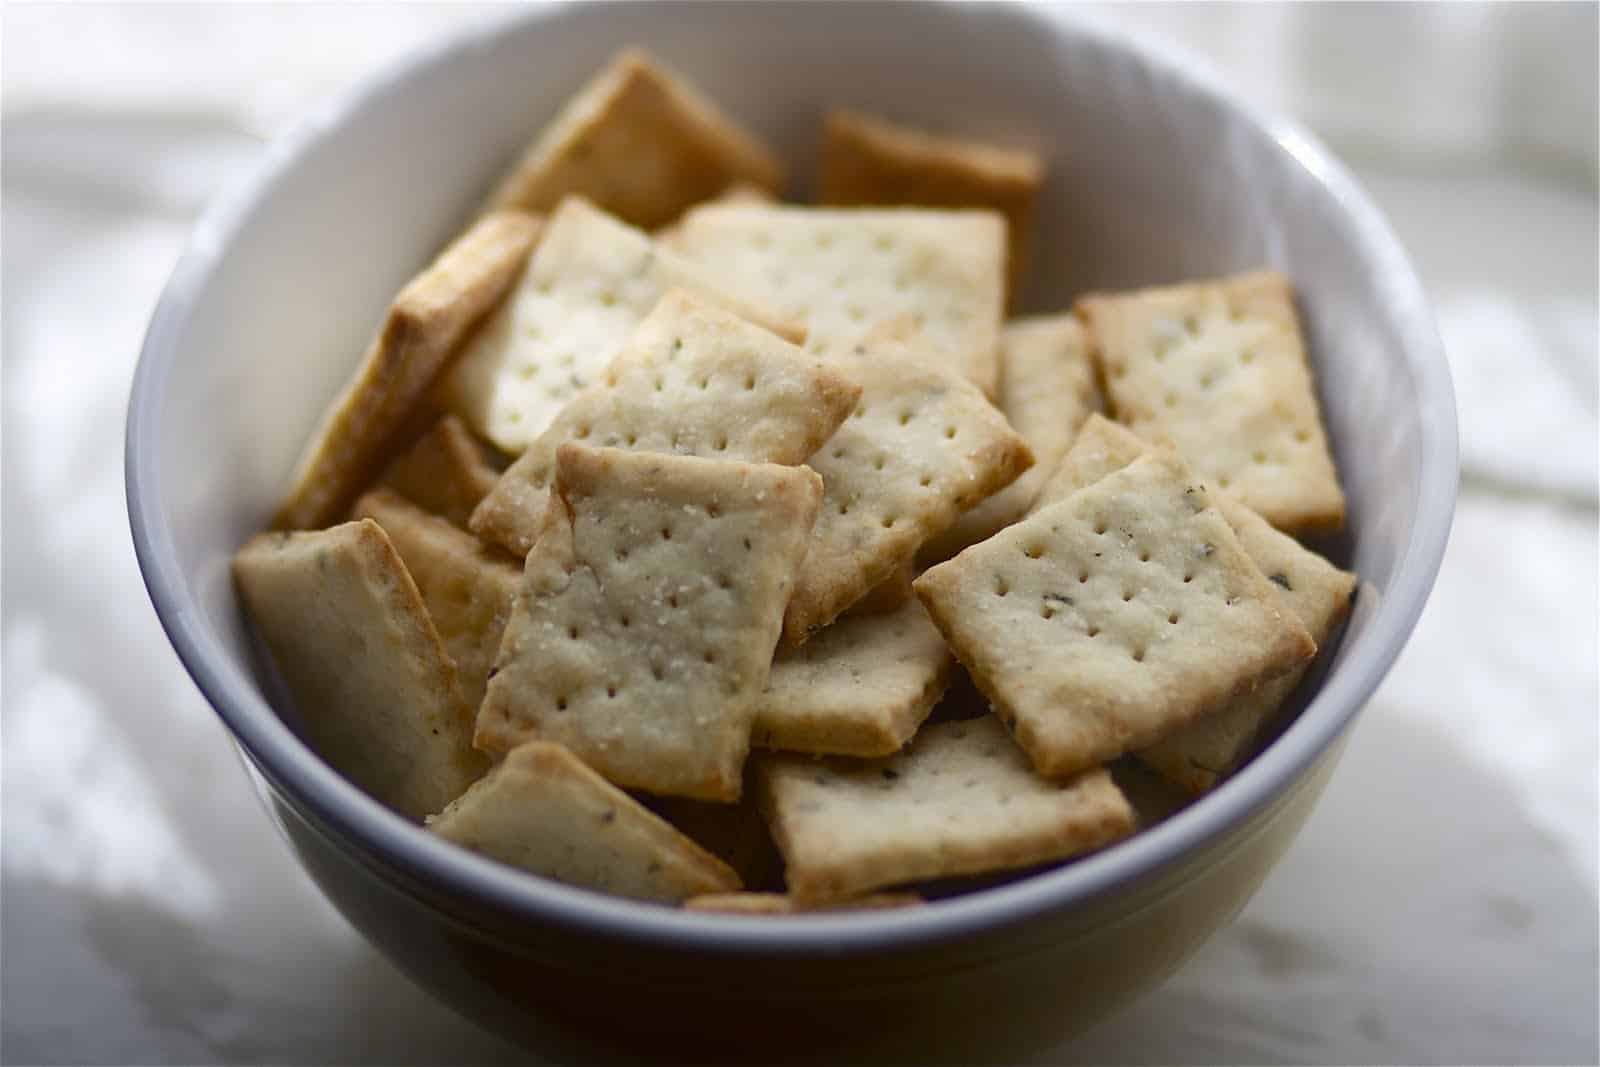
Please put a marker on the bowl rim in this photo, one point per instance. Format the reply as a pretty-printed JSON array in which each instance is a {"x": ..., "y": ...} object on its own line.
[{"x": 402, "y": 847}]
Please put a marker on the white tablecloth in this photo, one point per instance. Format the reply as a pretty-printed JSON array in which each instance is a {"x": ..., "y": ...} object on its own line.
[{"x": 1441, "y": 904}]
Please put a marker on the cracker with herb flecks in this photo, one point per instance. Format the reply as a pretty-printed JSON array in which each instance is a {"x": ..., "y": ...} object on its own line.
[
  {"x": 1104, "y": 622},
  {"x": 867, "y": 160},
  {"x": 921, "y": 446},
  {"x": 378, "y": 696},
  {"x": 960, "y": 799},
  {"x": 466, "y": 586},
  {"x": 588, "y": 285},
  {"x": 692, "y": 380},
  {"x": 861, "y": 687},
  {"x": 421, "y": 332},
  {"x": 640, "y": 142},
  {"x": 1316, "y": 592},
  {"x": 783, "y": 904},
  {"x": 1219, "y": 370},
  {"x": 445, "y": 471},
  {"x": 844, "y": 271},
  {"x": 1047, "y": 390},
  {"x": 541, "y": 809},
  {"x": 650, "y": 608},
  {"x": 1101, "y": 447}
]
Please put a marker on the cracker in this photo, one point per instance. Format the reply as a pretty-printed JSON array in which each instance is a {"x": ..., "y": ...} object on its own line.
[
  {"x": 960, "y": 799},
  {"x": 377, "y": 694},
  {"x": 861, "y": 687},
  {"x": 1218, "y": 369},
  {"x": 649, "y": 611},
  {"x": 692, "y": 380},
  {"x": 1316, "y": 592},
  {"x": 843, "y": 271},
  {"x": 542, "y": 810},
  {"x": 734, "y": 833},
  {"x": 642, "y": 143},
  {"x": 782, "y": 904},
  {"x": 422, "y": 330},
  {"x": 466, "y": 587},
  {"x": 589, "y": 284},
  {"x": 1101, "y": 623},
  {"x": 445, "y": 471},
  {"x": 921, "y": 446},
  {"x": 1102, "y": 446},
  {"x": 1047, "y": 390},
  {"x": 867, "y": 160}
]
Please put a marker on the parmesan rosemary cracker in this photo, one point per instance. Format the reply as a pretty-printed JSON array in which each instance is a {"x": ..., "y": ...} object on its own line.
[
  {"x": 960, "y": 799},
  {"x": 1219, "y": 370},
  {"x": 650, "y": 607},
  {"x": 445, "y": 471},
  {"x": 377, "y": 694},
  {"x": 1106, "y": 621},
  {"x": 542, "y": 810}
]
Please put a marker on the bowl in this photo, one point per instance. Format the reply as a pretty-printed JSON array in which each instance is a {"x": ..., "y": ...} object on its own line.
[{"x": 1157, "y": 172}]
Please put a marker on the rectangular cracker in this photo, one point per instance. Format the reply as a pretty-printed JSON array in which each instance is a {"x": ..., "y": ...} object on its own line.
[
  {"x": 921, "y": 446},
  {"x": 1316, "y": 592},
  {"x": 542, "y": 810},
  {"x": 861, "y": 687},
  {"x": 377, "y": 694},
  {"x": 589, "y": 284},
  {"x": 641, "y": 142},
  {"x": 1047, "y": 390},
  {"x": 783, "y": 904},
  {"x": 466, "y": 586},
  {"x": 1219, "y": 370},
  {"x": 960, "y": 799},
  {"x": 644, "y": 630},
  {"x": 446, "y": 471},
  {"x": 844, "y": 271},
  {"x": 692, "y": 380},
  {"x": 422, "y": 330},
  {"x": 1104, "y": 622},
  {"x": 868, "y": 160}
]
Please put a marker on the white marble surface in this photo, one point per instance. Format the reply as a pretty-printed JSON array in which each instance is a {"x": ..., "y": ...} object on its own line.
[{"x": 1440, "y": 906}]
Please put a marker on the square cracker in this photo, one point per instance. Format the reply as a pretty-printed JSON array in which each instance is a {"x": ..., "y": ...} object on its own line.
[
  {"x": 649, "y": 611},
  {"x": 1219, "y": 370},
  {"x": 1047, "y": 390},
  {"x": 888, "y": 595},
  {"x": 589, "y": 284},
  {"x": 861, "y": 687},
  {"x": 867, "y": 160},
  {"x": 642, "y": 143},
  {"x": 424, "y": 326},
  {"x": 921, "y": 446},
  {"x": 377, "y": 694},
  {"x": 542, "y": 810},
  {"x": 1310, "y": 588},
  {"x": 467, "y": 587},
  {"x": 783, "y": 904},
  {"x": 692, "y": 380},
  {"x": 1316, "y": 592},
  {"x": 445, "y": 471},
  {"x": 1099, "y": 624},
  {"x": 960, "y": 799},
  {"x": 844, "y": 271}
]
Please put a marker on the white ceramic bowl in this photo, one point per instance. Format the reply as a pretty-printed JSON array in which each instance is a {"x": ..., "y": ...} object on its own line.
[{"x": 1156, "y": 173}]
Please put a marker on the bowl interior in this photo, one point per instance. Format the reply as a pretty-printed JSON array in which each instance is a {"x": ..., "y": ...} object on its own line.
[{"x": 1155, "y": 175}]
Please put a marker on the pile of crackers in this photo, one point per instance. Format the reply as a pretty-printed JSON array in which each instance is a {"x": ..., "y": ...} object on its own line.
[{"x": 646, "y": 541}]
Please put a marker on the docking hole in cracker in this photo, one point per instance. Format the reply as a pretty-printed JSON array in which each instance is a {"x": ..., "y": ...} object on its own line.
[{"x": 681, "y": 543}]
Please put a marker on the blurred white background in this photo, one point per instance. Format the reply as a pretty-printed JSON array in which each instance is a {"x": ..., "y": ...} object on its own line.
[{"x": 150, "y": 914}]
